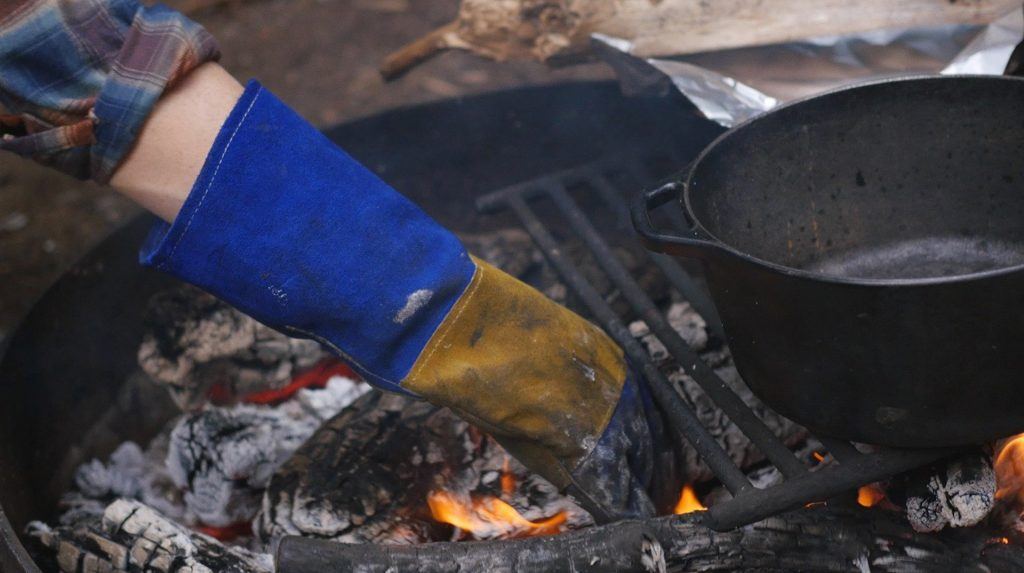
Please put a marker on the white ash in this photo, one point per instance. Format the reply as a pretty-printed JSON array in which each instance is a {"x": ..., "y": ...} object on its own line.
[
  {"x": 130, "y": 536},
  {"x": 192, "y": 341},
  {"x": 76, "y": 508},
  {"x": 767, "y": 475},
  {"x": 133, "y": 473},
  {"x": 960, "y": 495},
  {"x": 223, "y": 458},
  {"x": 15, "y": 221},
  {"x": 201, "y": 476},
  {"x": 718, "y": 424},
  {"x": 684, "y": 320},
  {"x": 324, "y": 404},
  {"x": 121, "y": 476},
  {"x": 510, "y": 250}
]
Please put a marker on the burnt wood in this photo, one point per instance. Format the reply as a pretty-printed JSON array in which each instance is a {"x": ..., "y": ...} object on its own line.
[{"x": 806, "y": 540}]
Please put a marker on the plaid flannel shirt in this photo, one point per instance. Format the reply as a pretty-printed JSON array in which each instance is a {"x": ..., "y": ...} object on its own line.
[{"x": 79, "y": 77}]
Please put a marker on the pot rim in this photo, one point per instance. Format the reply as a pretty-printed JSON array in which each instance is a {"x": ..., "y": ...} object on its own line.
[{"x": 819, "y": 276}]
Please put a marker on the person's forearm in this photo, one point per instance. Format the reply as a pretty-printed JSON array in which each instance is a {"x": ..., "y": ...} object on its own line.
[{"x": 159, "y": 171}]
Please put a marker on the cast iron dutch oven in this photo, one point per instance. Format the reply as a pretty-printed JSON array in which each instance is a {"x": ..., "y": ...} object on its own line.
[{"x": 865, "y": 250}]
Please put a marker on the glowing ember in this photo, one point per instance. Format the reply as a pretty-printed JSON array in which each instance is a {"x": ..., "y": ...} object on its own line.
[
  {"x": 228, "y": 533},
  {"x": 818, "y": 457},
  {"x": 316, "y": 377},
  {"x": 688, "y": 501},
  {"x": 488, "y": 517},
  {"x": 1009, "y": 468},
  {"x": 869, "y": 495}
]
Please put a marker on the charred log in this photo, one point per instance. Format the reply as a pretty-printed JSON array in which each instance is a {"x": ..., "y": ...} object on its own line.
[
  {"x": 366, "y": 474},
  {"x": 805, "y": 540},
  {"x": 223, "y": 458},
  {"x": 193, "y": 342},
  {"x": 132, "y": 537}
]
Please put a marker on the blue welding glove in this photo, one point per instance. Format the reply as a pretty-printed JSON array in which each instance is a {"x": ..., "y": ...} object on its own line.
[{"x": 289, "y": 229}]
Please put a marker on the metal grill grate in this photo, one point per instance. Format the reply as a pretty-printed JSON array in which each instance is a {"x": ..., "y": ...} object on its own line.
[{"x": 606, "y": 184}]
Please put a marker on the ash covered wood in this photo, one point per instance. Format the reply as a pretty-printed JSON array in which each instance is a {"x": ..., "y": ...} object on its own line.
[
  {"x": 193, "y": 341},
  {"x": 365, "y": 476},
  {"x": 223, "y": 458},
  {"x": 209, "y": 466},
  {"x": 957, "y": 493},
  {"x": 805, "y": 540},
  {"x": 130, "y": 536}
]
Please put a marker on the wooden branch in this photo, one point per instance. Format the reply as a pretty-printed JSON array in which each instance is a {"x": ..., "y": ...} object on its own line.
[
  {"x": 417, "y": 51},
  {"x": 805, "y": 540},
  {"x": 546, "y": 29}
]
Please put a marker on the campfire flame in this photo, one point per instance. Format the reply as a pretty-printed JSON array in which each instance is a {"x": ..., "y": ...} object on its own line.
[
  {"x": 488, "y": 517},
  {"x": 508, "y": 480},
  {"x": 1009, "y": 468},
  {"x": 870, "y": 495},
  {"x": 688, "y": 501}
]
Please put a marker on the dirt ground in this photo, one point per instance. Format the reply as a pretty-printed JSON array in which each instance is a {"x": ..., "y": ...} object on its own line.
[{"x": 321, "y": 56}]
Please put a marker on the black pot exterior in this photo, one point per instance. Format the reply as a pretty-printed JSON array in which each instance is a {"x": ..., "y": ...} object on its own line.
[
  {"x": 865, "y": 251},
  {"x": 909, "y": 366}
]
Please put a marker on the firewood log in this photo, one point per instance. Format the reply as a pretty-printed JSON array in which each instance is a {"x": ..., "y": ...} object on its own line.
[
  {"x": 819, "y": 539},
  {"x": 193, "y": 341},
  {"x": 129, "y": 536},
  {"x": 551, "y": 29}
]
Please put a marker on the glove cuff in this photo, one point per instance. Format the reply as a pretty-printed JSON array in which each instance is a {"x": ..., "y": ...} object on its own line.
[{"x": 286, "y": 227}]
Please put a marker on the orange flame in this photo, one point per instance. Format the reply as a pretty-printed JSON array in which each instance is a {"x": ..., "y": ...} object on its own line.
[
  {"x": 1009, "y": 468},
  {"x": 488, "y": 517},
  {"x": 688, "y": 501},
  {"x": 870, "y": 495},
  {"x": 508, "y": 480}
]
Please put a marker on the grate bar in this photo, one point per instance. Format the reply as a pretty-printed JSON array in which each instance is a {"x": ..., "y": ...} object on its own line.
[
  {"x": 677, "y": 276},
  {"x": 711, "y": 383},
  {"x": 680, "y": 415},
  {"x": 842, "y": 451},
  {"x": 800, "y": 486},
  {"x": 819, "y": 485}
]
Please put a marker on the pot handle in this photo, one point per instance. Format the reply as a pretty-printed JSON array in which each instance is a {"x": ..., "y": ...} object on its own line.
[{"x": 660, "y": 241}]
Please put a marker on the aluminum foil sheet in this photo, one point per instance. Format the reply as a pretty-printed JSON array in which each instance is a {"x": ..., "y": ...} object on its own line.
[{"x": 732, "y": 85}]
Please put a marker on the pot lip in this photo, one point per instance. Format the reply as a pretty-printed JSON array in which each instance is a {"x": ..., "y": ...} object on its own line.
[{"x": 818, "y": 276}]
